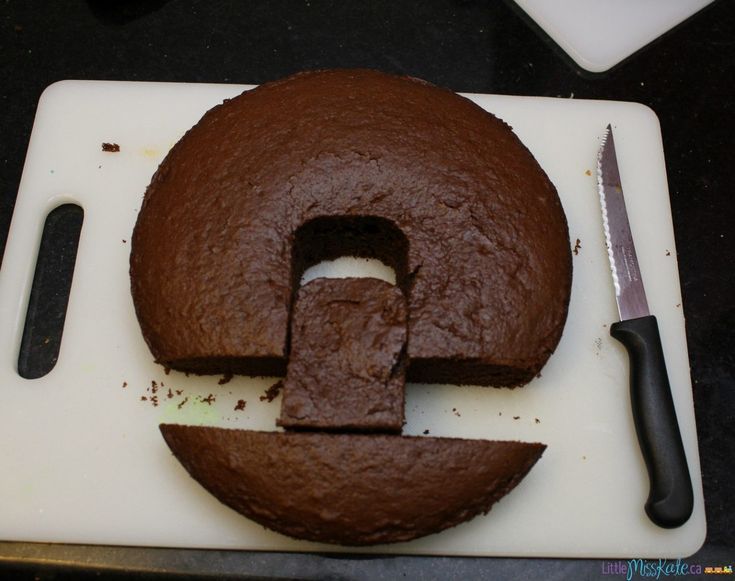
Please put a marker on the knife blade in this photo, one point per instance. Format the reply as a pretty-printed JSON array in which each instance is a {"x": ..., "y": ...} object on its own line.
[{"x": 671, "y": 500}]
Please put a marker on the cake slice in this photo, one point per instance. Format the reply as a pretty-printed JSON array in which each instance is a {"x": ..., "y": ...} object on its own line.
[
  {"x": 347, "y": 364},
  {"x": 351, "y": 489}
]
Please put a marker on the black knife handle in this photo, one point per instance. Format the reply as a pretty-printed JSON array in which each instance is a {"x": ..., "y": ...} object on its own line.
[{"x": 670, "y": 501}]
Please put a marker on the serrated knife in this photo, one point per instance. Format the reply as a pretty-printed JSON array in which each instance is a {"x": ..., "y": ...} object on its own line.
[{"x": 670, "y": 500}]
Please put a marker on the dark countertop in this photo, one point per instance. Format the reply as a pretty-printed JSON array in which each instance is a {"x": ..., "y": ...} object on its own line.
[{"x": 686, "y": 77}]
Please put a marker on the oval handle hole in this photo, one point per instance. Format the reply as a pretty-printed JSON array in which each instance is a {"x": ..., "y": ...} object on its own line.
[{"x": 44, "y": 324}]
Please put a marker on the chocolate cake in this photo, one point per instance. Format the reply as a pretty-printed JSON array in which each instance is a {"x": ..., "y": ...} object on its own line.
[
  {"x": 351, "y": 489},
  {"x": 346, "y": 368},
  {"x": 352, "y": 162}
]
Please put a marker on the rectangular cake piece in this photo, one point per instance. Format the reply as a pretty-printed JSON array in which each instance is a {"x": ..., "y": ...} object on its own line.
[{"x": 347, "y": 364}]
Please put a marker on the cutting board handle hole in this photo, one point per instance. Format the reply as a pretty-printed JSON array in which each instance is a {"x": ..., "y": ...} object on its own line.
[{"x": 44, "y": 324}]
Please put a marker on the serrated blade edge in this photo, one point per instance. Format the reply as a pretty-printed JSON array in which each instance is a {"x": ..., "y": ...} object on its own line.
[{"x": 629, "y": 292}]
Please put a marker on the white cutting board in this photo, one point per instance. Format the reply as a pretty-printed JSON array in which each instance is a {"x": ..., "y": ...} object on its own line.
[
  {"x": 81, "y": 458},
  {"x": 598, "y": 34}
]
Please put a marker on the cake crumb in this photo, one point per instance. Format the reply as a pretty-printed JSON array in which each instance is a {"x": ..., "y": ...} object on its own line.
[
  {"x": 209, "y": 400},
  {"x": 426, "y": 432},
  {"x": 183, "y": 401},
  {"x": 500, "y": 413},
  {"x": 125, "y": 384},
  {"x": 167, "y": 370},
  {"x": 143, "y": 398},
  {"x": 538, "y": 421},
  {"x": 668, "y": 253},
  {"x": 154, "y": 387},
  {"x": 241, "y": 403},
  {"x": 588, "y": 173},
  {"x": 110, "y": 147},
  {"x": 577, "y": 247},
  {"x": 124, "y": 241},
  {"x": 179, "y": 391},
  {"x": 516, "y": 417},
  {"x": 272, "y": 392},
  {"x": 170, "y": 394},
  {"x": 226, "y": 378}
]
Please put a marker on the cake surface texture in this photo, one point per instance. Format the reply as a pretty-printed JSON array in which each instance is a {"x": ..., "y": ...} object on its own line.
[{"x": 353, "y": 162}]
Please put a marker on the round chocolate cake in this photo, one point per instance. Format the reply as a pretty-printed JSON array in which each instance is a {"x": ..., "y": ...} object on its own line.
[
  {"x": 358, "y": 163},
  {"x": 352, "y": 162}
]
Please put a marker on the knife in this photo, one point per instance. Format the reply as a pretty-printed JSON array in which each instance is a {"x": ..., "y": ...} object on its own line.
[{"x": 670, "y": 500}]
